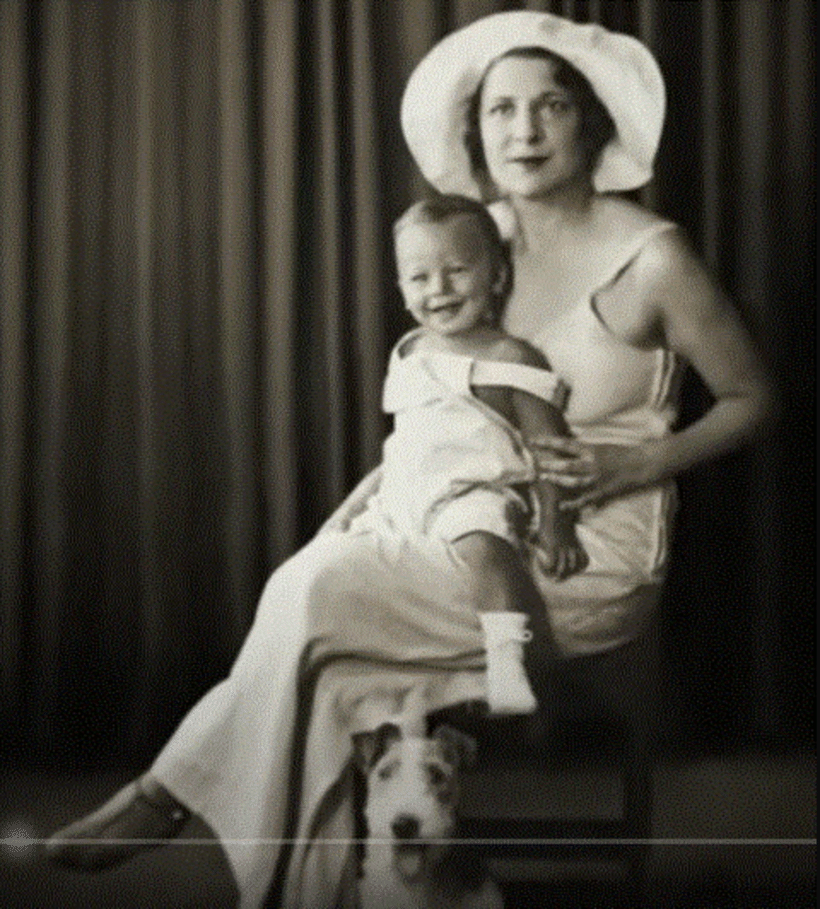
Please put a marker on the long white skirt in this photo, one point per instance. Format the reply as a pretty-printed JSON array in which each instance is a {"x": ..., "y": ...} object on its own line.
[
  {"x": 344, "y": 594},
  {"x": 260, "y": 756}
]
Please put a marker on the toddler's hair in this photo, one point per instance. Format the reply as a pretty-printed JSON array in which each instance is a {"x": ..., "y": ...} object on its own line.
[{"x": 440, "y": 207}]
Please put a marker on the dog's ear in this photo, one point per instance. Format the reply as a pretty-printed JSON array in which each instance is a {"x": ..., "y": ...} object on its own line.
[
  {"x": 459, "y": 748},
  {"x": 370, "y": 745}
]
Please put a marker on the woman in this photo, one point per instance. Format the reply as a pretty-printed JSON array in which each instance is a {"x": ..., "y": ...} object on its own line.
[
  {"x": 616, "y": 300},
  {"x": 610, "y": 292}
]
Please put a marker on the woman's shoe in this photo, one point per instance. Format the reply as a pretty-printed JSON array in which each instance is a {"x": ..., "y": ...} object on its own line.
[{"x": 140, "y": 816}]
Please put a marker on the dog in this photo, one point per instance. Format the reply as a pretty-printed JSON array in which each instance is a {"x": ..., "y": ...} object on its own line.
[{"x": 410, "y": 812}]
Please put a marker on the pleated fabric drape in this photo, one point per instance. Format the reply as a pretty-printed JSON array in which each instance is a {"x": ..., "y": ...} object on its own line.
[{"x": 198, "y": 300}]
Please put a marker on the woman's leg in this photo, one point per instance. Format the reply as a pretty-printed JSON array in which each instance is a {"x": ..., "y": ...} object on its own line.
[
  {"x": 141, "y": 815},
  {"x": 229, "y": 761}
]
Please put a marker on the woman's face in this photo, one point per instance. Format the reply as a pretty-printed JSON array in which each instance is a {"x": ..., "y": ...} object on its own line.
[{"x": 529, "y": 128}]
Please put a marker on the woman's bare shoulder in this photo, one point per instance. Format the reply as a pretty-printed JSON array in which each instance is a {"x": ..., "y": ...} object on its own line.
[
  {"x": 625, "y": 217},
  {"x": 663, "y": 276},
  {"x": 669, "y": 257},
  {"x": 662, "y": 252}
]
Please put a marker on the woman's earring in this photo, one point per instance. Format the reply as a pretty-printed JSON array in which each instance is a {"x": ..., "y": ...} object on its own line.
[{"x": 500, "y": 282}]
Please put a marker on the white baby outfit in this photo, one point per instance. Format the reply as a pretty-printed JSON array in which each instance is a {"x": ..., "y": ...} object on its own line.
[{"x": 453, "y": 464}]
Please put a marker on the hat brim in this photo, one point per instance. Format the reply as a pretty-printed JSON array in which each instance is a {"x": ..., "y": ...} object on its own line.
[{"x": 621, "y": 70}]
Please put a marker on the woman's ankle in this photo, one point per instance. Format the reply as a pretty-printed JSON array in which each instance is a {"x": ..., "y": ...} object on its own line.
[{"x": 161, "y": 798}]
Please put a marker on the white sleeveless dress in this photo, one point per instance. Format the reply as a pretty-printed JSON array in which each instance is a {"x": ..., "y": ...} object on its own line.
[
  {"x": 618, "y": 395},
  {"x": 386, "y": 613}
]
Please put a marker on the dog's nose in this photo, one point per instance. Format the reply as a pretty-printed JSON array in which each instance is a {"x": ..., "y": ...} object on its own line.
[{"x": 405, "y": 827}]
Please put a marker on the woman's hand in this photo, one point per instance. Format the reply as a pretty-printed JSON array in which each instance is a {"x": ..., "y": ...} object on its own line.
[
  {"x": 562, "y": 461},
  {"x": 593, "y": 472}
]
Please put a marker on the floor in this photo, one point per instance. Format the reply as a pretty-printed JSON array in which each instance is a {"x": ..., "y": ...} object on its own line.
[{"x": 732, "y": 832}]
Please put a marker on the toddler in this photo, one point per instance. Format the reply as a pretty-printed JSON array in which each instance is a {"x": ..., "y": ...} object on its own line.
[{"x": 467, "y": 400}]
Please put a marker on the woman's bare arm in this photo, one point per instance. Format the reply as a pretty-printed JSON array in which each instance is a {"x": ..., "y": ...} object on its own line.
[
  {"x": 680, "y": 302},
  {"x": 701, "y": 324}
]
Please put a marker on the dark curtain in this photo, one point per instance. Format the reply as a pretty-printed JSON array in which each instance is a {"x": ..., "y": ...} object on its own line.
[{"x": 197, "y": 303}]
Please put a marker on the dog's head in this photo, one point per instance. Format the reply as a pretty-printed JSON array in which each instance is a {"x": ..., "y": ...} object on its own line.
[{"x": 412, "y": 787}]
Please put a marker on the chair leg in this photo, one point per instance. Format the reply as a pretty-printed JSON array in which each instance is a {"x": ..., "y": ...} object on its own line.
[{"x": 638, "y": 792}]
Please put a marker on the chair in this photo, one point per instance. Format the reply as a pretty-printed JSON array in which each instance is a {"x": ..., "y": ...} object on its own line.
[{"x": 535, "y": 802}]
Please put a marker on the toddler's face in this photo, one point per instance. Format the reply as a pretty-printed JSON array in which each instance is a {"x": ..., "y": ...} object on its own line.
[{"x": 447, "y": 275}]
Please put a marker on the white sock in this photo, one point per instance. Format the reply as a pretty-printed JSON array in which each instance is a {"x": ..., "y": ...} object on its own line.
[{"x": 508, "y": 689}]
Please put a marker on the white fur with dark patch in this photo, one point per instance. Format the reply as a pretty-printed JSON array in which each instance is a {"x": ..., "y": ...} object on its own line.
[{"x": 410, "y": 861}]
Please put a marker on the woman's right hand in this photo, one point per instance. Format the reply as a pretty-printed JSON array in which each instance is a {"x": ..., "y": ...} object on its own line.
[
  {"x": 593, "y": 474},
  {"x": 565, "y": 462}
]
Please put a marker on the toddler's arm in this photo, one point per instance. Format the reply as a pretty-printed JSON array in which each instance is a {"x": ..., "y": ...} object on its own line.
[
  {"x": 538, "y": 420},
  {"x": 562, "y": 554}
]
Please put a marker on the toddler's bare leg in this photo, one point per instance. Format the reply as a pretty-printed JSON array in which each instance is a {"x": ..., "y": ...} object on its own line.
[
  {"x": 499, "y": 579},
  {"x": 501, "y": 589},
  {"x": 502, "y": 583}
]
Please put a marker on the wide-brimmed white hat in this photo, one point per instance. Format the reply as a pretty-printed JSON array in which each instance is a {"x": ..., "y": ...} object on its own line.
[{"x": 621, "y": 70}]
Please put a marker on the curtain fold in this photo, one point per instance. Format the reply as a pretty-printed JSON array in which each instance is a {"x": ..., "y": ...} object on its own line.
[
  {"x": 198, "y": 301},
  {"x": 14, "y": 389},
  {"x": 49, "y": 450},
  {"x": 277, "y": 101}
]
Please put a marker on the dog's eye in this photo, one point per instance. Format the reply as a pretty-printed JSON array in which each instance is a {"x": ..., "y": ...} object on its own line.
[
  {"x": 385, "y": 771},
  {"x": 436, "y": 775}
]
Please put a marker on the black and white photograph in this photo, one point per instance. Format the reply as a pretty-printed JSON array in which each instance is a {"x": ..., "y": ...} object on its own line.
[{"x": 288, "y": 288}]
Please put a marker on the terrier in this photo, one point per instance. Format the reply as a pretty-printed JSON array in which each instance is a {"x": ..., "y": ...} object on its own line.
[{"x": 410, "y": 859}]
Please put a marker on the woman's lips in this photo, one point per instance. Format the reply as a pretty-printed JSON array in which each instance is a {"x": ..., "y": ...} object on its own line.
[{"x": 530, "y": 162}]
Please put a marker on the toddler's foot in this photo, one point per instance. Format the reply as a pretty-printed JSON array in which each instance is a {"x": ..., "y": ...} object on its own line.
[
  {"x": 140, "y": 816},
  {"x": 508, "y": 689}
]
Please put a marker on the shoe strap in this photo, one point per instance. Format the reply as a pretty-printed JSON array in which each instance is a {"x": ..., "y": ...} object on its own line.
[{"x": 163, "y": 804}]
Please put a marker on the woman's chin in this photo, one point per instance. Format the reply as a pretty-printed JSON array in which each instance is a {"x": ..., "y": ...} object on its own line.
[{"x": 543, "y": 187}]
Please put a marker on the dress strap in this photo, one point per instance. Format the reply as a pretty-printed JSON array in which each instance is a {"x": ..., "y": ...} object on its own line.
[
  {"x": 633, "y": 249},
  {"x": 539, "y": 382}
]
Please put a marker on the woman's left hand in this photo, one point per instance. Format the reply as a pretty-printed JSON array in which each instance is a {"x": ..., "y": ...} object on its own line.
[{"x": 612, "y": 470}]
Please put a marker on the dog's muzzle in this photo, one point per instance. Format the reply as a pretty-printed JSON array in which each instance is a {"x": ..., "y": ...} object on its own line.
[{"x": 406, "y": 827}]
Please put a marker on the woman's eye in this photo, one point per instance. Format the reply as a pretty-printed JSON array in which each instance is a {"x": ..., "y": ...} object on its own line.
[
  {"x": 558, "y": 105},
  {"x": 500, "y": 107}
]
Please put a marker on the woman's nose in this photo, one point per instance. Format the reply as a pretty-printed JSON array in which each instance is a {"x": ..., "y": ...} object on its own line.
[{"x": 526, "y": 125}]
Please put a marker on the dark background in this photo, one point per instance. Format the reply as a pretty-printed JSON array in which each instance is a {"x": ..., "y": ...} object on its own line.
[{"x": 197, "y": 304}]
